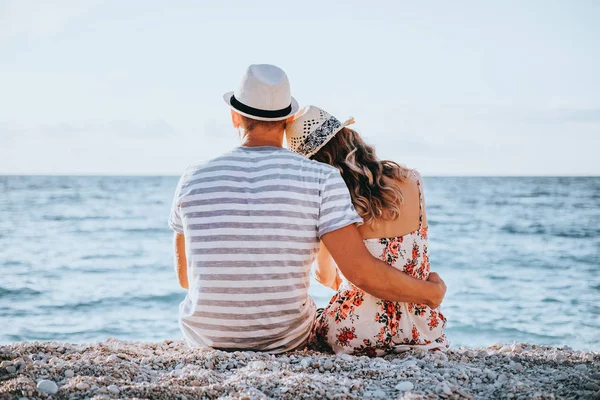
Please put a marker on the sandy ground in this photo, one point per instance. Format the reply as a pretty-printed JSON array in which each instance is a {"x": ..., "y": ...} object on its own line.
[{"x": 169, "y": 370}]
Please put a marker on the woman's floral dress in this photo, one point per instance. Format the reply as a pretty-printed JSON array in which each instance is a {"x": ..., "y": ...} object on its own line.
[{"x": 355, "y": 322}]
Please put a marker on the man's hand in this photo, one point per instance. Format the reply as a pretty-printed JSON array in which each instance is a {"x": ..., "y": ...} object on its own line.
[{"x": 437, "y": 301}]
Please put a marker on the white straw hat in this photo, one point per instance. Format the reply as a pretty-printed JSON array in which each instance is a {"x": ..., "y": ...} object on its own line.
[
  {"x": 264, "y": 94},
  {"x": 311, "y": 129}
]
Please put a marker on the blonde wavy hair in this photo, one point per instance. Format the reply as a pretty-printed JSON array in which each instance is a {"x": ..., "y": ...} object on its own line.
[{"x": 372, "y": 182}]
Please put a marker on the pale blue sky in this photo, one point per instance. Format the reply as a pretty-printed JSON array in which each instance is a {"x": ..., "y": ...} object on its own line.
[{"x": 452, "y": 88}]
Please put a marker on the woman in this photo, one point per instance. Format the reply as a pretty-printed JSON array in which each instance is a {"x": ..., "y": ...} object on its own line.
[{"x": 389, "y": 198}]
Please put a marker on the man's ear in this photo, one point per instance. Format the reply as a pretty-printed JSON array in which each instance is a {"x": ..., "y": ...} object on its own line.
[
  {"x": 290, "y": 119},
  {"x": 235, "y": 119}
]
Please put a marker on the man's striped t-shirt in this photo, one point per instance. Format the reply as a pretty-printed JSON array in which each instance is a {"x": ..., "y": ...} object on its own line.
[{"x": 252, "y": 221}]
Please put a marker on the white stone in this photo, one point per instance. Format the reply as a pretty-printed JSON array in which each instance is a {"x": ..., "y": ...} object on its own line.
[
  {"x": 444, "y": 388},
  {"x": 379, "y": 393},
  {"x": 11, "y": 369},
  {"x": 519, "y": 367},
  {"x": 114, "y": 389},
  {"x": 581, "y": 367},
  {"x": 69, "y": 373},
  {"x": 47, "y": 386},
  {"x": 346, "y": 357},
  {"x": 82, "y": 386},
  {"x": 404, "y": 386}
]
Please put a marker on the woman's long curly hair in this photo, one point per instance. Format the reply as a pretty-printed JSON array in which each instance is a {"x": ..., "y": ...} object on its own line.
[{"x": 372, "y": 182}]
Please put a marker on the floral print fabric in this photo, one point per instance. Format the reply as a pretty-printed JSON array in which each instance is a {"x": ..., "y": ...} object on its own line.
[{"x": 355, "y": 322}]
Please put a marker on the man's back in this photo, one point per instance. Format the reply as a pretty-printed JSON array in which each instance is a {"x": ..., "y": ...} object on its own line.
[{"x": 252, "y": 220}]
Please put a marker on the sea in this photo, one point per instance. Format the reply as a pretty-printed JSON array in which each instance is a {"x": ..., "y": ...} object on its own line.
[{"x": 85, "y": 258}]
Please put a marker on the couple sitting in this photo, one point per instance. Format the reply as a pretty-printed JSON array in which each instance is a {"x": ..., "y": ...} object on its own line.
[{"x": 250, "y": 223}]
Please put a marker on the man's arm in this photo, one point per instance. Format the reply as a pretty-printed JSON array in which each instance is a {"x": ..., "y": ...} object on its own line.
[
  {"x": 180, "y": 260},
  {"x": 376, "y": 277}
]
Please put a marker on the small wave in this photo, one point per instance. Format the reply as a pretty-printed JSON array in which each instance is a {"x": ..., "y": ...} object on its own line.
[
  {"x": 101, "y": 257},
  {"x": 523, "y": 230},
  {"x": 83, "y": 335},
  {"x": 18, "y": 292},
  {"x": 550, "y": 300},
  {"x": 150, "y": 231},
  {"x": 585, "y": 234},
  {"x": 509, "y": 332},
  {"x": 14, "y": 263},
  {"x": 73, "y": 218},
  {"x": 121, "y": 301},
  {"x": 145, "y": 230}
]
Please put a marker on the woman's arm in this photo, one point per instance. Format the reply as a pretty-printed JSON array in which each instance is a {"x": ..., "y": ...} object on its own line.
[
  {"x": 326, "y": 272},
  {"x": 180, "y": 260}
]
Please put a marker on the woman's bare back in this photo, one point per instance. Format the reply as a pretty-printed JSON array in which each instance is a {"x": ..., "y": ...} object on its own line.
[{"x": 408, "y": 221}]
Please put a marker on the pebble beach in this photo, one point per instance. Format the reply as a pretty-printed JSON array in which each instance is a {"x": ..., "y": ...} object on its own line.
[{"x": 170, "y": 370}]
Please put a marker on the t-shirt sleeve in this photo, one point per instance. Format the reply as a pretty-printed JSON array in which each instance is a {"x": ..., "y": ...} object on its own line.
[
  {"x": 336, "y": 210},
  {"x": 175, "y": 222}
]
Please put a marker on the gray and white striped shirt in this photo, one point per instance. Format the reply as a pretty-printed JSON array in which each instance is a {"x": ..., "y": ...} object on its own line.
[{"x": 252, "y": 220}]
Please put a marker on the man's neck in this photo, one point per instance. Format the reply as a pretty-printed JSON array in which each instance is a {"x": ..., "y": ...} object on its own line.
[{"x": 261, "y": 137}]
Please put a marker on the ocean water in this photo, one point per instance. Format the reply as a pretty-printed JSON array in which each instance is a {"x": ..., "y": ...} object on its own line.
[{"x": 86, "y": 258}]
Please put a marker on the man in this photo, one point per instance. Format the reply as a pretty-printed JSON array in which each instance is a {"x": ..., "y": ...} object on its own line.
[{"x": 248, "y": 226}]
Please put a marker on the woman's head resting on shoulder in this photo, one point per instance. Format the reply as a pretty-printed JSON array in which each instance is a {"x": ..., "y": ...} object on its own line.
[{"x": 316, "y": 134}]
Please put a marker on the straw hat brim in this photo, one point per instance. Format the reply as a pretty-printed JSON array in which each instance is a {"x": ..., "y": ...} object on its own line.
[{"x": 294, "y": 110}]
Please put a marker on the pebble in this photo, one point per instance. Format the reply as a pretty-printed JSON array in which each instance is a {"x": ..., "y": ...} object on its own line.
[
  {"x": 595, "y": 376},
  {"x": 346, "y": 357},
  {"x": 11, "y": 369},
  {"x": 444, "y": 388},
  {"x": 591, "y": 386},
  {"x": 380, "y": 394},
  {"x": 581, "y": 367},
  {"x": 519, "y": 367},
  {"x": 69, "y": 373},
  {"x": 114, "y": 389},
  {"x": 82, "y": 386},
  {"x": 47, "y": 386},
  {"x": 404, "y": 386}
]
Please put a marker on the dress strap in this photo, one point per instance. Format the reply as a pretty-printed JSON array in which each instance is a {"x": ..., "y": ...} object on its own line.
[{"x": 417, "y": 177}]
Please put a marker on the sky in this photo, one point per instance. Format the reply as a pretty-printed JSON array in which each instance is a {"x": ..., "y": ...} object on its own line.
[{"x": 450, "y": 88}]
